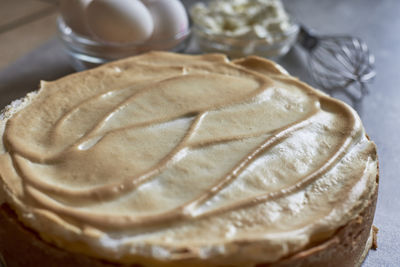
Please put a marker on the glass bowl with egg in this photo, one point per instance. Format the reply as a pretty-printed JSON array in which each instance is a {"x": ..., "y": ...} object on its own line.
[
  {"x": 244, "y": 27},
  {"x": 94, "y": 32}
]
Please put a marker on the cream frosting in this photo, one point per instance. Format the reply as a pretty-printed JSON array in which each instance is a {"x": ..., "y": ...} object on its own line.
[
  {"x": 243, "y": 18},
  {"x": 175, "y": 157}
]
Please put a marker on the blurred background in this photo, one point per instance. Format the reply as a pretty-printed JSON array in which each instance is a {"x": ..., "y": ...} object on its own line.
[{"x": 30, "y": 52}]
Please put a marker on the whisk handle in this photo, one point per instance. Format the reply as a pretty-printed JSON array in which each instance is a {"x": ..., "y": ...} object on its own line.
[{"x": 306, "y": 39}]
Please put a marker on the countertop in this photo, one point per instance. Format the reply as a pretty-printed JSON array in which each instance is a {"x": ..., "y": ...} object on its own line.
[{"x": 377, "y": 22}]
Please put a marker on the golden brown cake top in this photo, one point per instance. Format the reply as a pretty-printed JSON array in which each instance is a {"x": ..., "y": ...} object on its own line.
[{"x": 171, "y": 157}]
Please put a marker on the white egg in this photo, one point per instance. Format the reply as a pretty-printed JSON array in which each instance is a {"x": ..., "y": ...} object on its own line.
[
  {"x": 170, "y": 19},
  {"x": 119, "y": 21},
  {"x": 73, "y": 13}
]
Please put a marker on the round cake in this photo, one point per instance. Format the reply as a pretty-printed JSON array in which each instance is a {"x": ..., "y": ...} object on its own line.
[{"x": 178, "y": 160}]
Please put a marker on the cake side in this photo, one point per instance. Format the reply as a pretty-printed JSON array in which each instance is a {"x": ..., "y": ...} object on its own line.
[
  {"x": 348, "y": 163},
  {"x": 345, "y": 248}
]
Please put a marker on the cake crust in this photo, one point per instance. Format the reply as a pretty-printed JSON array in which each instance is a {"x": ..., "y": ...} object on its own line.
[{"x": 345, "y": 248}]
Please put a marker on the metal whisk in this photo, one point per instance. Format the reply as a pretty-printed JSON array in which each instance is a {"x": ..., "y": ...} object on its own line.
[{"x": 339, "y": 63}]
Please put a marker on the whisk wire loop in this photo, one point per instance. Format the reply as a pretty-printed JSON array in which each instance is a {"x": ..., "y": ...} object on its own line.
[{"x": 339, "y": 63}]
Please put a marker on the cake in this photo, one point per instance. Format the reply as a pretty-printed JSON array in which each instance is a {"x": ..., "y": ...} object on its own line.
[{"x": 179, "y": 160}]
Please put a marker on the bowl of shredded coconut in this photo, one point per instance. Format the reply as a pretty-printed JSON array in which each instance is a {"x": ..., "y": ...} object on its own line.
[{"x": 244, "y": 27}]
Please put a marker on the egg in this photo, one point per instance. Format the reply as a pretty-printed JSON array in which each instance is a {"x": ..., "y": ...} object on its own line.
[
  {"x": 119, "y": 21},
  {"x": 170, "y": 19},
  {"x": 73, "y": 13}
]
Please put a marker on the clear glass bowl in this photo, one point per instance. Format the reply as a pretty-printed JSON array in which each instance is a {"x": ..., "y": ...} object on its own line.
[
  {"x": 85, "y": 53},
  {"x": 236, "y": 47}
]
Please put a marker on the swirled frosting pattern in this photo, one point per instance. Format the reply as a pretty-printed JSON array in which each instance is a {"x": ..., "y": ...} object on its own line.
[{"x": 177, "y": 157}]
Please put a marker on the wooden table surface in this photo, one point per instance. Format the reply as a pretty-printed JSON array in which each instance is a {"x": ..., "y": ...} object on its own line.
[{"x": 24, "y": 25}]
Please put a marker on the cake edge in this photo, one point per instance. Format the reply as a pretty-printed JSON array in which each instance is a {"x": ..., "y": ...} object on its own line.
[{"x": 352, "y": 242}]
